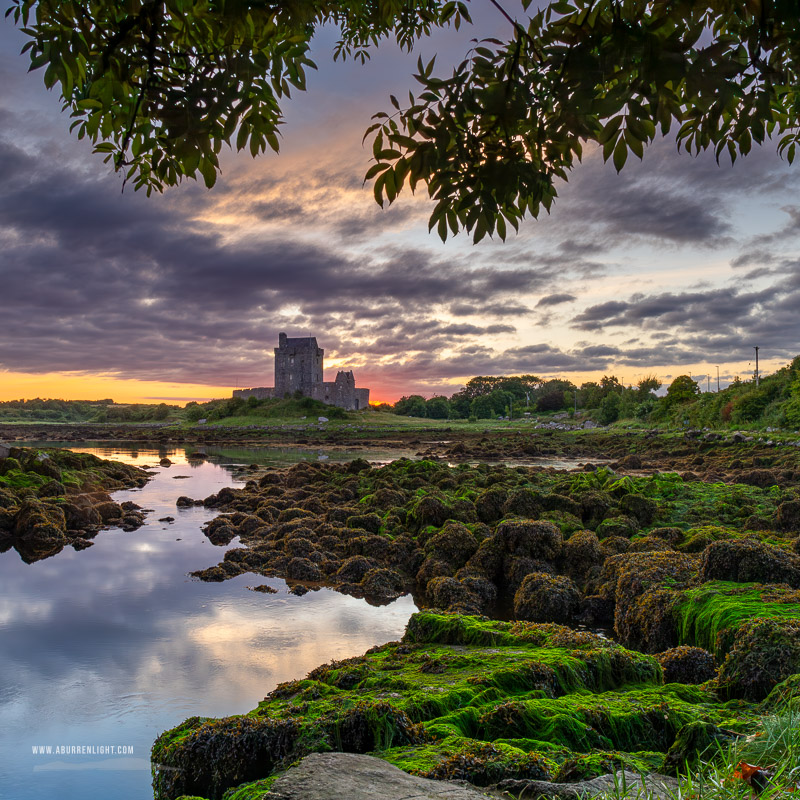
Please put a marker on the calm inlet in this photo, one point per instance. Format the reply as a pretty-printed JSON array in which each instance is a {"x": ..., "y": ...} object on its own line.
[{"x": 107, "y": 647}]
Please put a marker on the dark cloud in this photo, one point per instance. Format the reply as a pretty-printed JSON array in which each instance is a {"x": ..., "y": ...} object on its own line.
[
  {"x": 717, "y": 325},
  {"x": 555, "y": 299},
  {"x": 105, "y": 282}
]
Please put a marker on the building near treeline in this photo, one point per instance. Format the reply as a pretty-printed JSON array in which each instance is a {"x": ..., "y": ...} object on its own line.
[{"x": 298, "y": 368}]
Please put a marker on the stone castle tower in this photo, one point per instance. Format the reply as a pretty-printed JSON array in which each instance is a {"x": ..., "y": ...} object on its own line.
[
  {"x": 298, "y": 365},
  {"x": 298, "y": 368}
]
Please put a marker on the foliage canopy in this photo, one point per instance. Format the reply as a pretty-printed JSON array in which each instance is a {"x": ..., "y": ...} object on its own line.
[{"x": 161, "y": 85}]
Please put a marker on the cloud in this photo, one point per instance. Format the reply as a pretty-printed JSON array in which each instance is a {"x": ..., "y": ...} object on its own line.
[{"x": 555, "y": 299}]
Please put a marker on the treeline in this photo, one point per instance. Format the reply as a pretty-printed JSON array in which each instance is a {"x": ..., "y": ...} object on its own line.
[
  {"x": 486, "y": 397},
  {"x": 775, "y": 402},
  {"x": 54, "y": 410}
]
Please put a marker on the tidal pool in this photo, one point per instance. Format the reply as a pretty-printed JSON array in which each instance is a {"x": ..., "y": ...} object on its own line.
[{"x": 107, "y": 647}]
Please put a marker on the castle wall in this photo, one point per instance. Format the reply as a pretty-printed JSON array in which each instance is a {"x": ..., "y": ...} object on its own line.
[
  {"x": 261, "y": 393},
  {"x": 362, "y": 398}
]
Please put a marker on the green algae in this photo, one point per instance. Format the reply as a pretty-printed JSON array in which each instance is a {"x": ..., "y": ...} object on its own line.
[
  {"x": 251, "y": 791},
  {"x": 460, "y": 696},
  {"x": 709, "y": 615}
]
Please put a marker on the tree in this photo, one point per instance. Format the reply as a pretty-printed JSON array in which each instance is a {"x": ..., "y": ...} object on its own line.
[
  {"x": 609, "y": 408},
  {"x": 437, "y": 408},
  {"x": 647, "y": 386},
  {"x": 160, "y": 85},
  {"x": 412, "y": 406},
  {"x": 682, "y": 390}
]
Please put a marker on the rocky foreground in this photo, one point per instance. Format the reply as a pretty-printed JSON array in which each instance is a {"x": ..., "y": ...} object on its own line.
[
  {"x": 695, "y": 575},
  {"x": 52, "y": 498}
]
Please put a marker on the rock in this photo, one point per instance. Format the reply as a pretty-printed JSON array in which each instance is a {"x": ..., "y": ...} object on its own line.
[
  {"x": 335, "y": 776},
  {"x": 788, "y": 515},
  {"x": 642, "y": 509},
  {"x": 165, "y": 462},
  {"x": 631, "y": 461},
  {"x": 322, "y": 419},
  {"x": 454, "y": 544},
  {"x": 546, "y": 598},
  {"x": 4, "y": 450},
  {"x": 765, "y": 652},
  {"x": 533, "y": 539},
  {"x": 749, "y": 561},
  {"x": 687, "y": 665},
  {"x": 621, "y": 784},
  {"x": 52, "y": 489}
]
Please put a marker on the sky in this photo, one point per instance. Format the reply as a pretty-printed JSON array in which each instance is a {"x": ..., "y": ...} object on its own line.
[{"x": 675, "y": 266}]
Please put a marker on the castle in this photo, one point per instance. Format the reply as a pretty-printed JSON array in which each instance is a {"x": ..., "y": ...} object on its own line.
[{"x": 298, "y": 368}]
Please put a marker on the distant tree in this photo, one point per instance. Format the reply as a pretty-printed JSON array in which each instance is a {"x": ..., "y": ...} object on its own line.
[
  {"x": 411, "y": 406},
  {"x": 437, "y": 408},
  {"x": 550, "y": 401},
  {"x": 682, "y": 390},
  {"x": 482, "y": 407},
  {"x": 610, "y": 383},
  {"x": 610, "y": 408},
  {"x": 460, "y": 405},
  {"x": 648, "y": 385},
  {"x": 590, "y": 395}
]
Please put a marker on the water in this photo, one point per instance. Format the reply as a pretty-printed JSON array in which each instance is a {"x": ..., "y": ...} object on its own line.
[{"x": 112, "y": 645}]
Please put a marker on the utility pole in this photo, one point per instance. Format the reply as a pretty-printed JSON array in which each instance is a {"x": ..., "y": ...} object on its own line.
[
  {"x": 708, "y": 383},
  {"x": 717, "y": 377},
  {"x": 576, "y": 399},
  {"x": 756, "y": 349}
]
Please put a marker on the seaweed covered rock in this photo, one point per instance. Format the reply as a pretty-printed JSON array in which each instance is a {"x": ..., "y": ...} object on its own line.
[
  {"x": 355, "y": 569},
  {"x": 458, "y": 695},
  {"x": 546, "y": 598},
  {"x": 764, "y": 653},
  {"x": 523, "y": 502},
  {"x": 447, "y": 593},
  {"x": 530, "y": 538},
  {"x": 617, "y": 526},
  {"x": 695, "y": 741},
  {"x": 788, "y": 516},
  {"x": 594, "y": 506},
  {"x": 483, "y": 764},
  {"x": 644, "y": 588},
  {"x": 749, "y": 561},
  {"x": 489, "y": 504},
  {"x": 640, "y": 508},
  {"x": 581, "y": 553},
  {"x": 687, "y": 665},
  {"x": 454, "y": 543},
  {"x": 429, "y": 510}
]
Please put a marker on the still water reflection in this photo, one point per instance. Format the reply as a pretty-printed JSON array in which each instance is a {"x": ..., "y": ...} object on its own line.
[{"x": 112, "y": 645}]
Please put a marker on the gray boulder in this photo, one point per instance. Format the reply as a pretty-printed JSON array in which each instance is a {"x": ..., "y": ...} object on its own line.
[{"x": 340, "y": 776}]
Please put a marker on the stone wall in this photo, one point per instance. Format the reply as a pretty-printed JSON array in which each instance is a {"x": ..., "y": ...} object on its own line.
[{"x": 260, "y": 393}]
